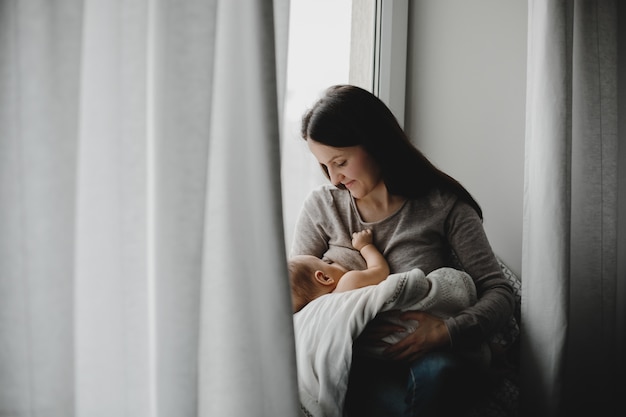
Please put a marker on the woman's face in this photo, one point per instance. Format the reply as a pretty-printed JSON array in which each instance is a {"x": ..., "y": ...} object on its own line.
[{"x": 351, "y": 166}]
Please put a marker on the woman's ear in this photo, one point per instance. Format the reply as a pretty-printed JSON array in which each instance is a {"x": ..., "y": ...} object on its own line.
[{"x": 323, "y": 278}]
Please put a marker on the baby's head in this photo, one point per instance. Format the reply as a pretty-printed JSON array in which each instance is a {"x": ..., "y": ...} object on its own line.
[{"x": 310, "y": 277}]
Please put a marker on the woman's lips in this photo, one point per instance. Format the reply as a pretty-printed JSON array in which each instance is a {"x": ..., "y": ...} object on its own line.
[{"x": 349, "y": 184}]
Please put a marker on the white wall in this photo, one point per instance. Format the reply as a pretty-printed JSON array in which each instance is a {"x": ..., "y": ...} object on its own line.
[{"x": 465, "y": 104}]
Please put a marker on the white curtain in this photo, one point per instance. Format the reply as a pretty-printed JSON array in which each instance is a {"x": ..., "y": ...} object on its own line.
[
  {"x": 573, "y": 322},
  {"x": 142, "y": 268}
]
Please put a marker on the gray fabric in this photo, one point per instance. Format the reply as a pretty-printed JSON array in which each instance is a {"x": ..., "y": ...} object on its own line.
[
  {"x": 572, "y": 303},
  {"x": 421, "y": 234}
]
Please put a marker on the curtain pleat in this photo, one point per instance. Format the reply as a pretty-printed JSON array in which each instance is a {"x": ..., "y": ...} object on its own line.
[
  {"x": 246, "y": 357},
  {"x": 546, "y": 211},
  {"x": 182, "y": 38},
  {"x": 594, "y": 210},
  {"x": 570, "y": 332},
  {"x": 113, "y": 356},
  {"x": 39, "y": 72}
]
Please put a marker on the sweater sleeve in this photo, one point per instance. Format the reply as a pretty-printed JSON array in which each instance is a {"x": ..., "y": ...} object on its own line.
[
  {"x": 496, "y": 301},
  {"x": 309, "y": 236}
]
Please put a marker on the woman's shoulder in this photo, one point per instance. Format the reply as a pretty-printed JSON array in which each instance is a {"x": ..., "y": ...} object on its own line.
[
  {"x": 327, "y": 200},
  {"x": 438, "y": 199},
  {"x": 447, "y": 204},
  {"x": 327, "y": 193},
  {"x": 440, "y": 204}
]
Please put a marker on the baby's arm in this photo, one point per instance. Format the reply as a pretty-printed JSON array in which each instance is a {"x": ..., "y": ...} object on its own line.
[{"x": 377, "y": 267}]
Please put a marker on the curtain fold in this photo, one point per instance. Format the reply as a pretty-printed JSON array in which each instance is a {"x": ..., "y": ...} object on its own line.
[
  {"x": 142, "y": 263},
  {"x": 592, "y": 350},
  {"x": 113, "y": 358},
  {"x": 546, "y": 193},
  {"x": 39, "y": 73},
  {"x": 570, "y": 331},
  {"x": 246, "y": 329},
  {"x": 182, "y": 39}
]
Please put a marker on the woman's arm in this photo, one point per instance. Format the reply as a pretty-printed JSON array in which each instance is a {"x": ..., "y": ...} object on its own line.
[
  {"x": 464, "y": 232},
  {"x": 309, "y": 237},
  {"x": 496, "y": 300}
]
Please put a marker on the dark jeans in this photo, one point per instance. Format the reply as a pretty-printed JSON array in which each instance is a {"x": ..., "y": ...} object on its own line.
[{"x": 439, "y": 384}]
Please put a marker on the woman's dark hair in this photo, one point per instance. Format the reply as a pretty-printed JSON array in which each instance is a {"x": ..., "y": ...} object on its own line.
[{"x": 347, "y": 115}]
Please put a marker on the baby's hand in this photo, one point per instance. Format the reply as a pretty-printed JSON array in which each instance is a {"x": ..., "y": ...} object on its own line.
[{"x": 361, "y": 239}]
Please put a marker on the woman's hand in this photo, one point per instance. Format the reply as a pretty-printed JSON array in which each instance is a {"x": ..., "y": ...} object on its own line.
[{"x": 430, "y": 334}]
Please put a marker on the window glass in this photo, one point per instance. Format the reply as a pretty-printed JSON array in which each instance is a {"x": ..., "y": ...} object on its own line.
[{"x": 318, "y": 56}]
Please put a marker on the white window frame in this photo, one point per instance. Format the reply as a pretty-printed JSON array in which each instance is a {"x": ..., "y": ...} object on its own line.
[
  {"x": 378, "y": 50},
  {"x": 391, "y": 54}
]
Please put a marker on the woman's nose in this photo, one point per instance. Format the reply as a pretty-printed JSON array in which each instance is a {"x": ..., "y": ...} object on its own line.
[{"x": 335, "y": 177}]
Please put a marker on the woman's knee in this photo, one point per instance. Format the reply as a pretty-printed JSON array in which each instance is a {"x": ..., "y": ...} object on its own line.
[
  {"x": 434, "y": 368},
  {"x": 430, "y": 378}
]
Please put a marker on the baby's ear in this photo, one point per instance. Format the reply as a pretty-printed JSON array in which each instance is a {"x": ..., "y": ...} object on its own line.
[{"x": 323, "y": 278}]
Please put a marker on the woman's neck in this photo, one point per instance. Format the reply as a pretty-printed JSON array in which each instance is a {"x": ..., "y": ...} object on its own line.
[{"x": 378, "y": 204}]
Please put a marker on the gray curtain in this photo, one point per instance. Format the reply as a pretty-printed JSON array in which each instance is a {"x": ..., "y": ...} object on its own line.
[
  {"x": 574, "y": 278},
  {"x": 142, "y": 263}
]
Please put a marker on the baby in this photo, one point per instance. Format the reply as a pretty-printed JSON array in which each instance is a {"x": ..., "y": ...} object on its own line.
[{"x": 310, "y": 277}]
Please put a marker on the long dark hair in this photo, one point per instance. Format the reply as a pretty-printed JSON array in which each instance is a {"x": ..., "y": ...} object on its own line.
[{"x": 347, "y": 115}]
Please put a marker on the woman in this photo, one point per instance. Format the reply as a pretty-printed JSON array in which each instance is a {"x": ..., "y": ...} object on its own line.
[{"x": 421, "y": 218}]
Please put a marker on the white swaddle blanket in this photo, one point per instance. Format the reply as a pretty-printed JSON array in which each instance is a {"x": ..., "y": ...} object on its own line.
[{"x": 326, "y": 328}]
